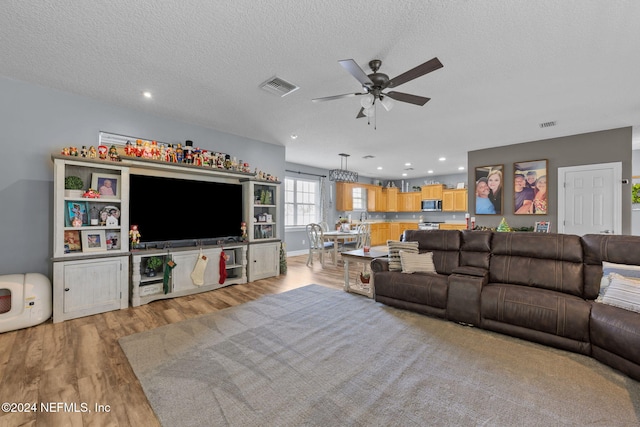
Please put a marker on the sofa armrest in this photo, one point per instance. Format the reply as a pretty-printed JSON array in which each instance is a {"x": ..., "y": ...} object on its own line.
[
  {"x": 463, "y": 302},
  {"x": 379, "y": 265},
  {"x": 471, "y": 271}
]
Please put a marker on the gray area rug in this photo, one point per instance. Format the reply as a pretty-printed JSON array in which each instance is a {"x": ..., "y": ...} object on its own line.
[{"x": 316, "y": 356}]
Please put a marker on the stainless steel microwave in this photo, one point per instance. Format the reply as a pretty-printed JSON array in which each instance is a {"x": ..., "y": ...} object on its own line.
[{"x": 432, "y": 205}]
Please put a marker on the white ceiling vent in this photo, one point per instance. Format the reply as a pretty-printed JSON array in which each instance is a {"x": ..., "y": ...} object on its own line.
[
  {"x": 547, "y": 124},
  {"x": 279, "y": 87}
]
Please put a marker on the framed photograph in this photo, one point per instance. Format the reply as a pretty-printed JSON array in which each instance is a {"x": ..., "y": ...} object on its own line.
[
  {"x": 72, "y": 241},
  {"x": 231, "y": 257},
  {"x": 488, "y": 188},
  {"x": 112, "y": 240},
  {"x": 107, "y": 185},
  {"x": 110, "y": 216},
  {"x": 530, "y": 188},
  {"x": 542, "y": 227},
  {"x": 77, "y": 215},
  {"x": 94, "y": 241}
]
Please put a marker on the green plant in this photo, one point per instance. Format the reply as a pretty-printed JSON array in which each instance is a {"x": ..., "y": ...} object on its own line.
[
  {"x": 154, "y": 263},
  {"x": 73, "y": 183},
  {"x": 635, "y": 193}
]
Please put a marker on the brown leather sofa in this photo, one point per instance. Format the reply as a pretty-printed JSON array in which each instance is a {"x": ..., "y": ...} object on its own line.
[{"x": 535, "y": 286}]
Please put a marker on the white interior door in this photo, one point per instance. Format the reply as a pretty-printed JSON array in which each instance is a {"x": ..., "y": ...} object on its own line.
[{"x": 589, "y": 199}]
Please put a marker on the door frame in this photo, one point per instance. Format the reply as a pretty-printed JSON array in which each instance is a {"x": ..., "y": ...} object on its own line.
[{"x": 616, "y": 190}]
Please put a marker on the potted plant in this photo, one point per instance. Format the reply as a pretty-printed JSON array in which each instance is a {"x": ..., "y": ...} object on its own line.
[
  {"x": 153, "y": 265},
  {"x": 365, "y": 277},
  {"x": 73, "y": 186}
]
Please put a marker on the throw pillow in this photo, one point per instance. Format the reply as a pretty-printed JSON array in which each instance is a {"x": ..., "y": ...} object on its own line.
[
  {"x": 394, "y": 252},
  {"x": 623, "y": 292},
  {"x": 417, "y": 263},
  {"x": 621, "y": 269}
]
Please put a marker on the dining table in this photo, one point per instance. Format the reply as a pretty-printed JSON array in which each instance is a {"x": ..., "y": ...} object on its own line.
[{"x": 337, "y": 236}]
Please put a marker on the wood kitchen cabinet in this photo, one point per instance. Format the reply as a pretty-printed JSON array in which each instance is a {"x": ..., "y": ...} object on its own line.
[
  {"x": 344, "y": 196},
  {"x": 409, "y": 202},
  {"x": 454, "y": 200},
  {"x": 379, "y": 233},
  {"x": 447, "y": 226},
  {"x": 432, "y": 192},
  {"x": 392, "y": 198},
  {"x": 375, "y": 199}
]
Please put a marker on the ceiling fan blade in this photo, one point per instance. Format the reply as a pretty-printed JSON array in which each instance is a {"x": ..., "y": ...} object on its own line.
[
  {"x": 329, "y": 98},
  {"x": 357, "y": 72},
  {"x": 407, "y": 97},
  {"x": 360, "y": 114},
  {"x": 420, "y": 70}
]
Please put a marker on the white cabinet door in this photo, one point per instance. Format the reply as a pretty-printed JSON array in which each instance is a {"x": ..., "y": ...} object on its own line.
[
  {"x": 185, "y": 263},
  {"x": 264, "y": 260},
  {"x": 91, "y": 286}
]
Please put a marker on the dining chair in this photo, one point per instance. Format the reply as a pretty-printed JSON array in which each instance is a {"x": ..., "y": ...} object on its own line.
[
  {"x": 363, "y": 236},
  {"x": 317, "y": 244}
]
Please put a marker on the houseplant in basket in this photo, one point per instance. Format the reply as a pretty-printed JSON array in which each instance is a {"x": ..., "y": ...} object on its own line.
[{"x": 365, "y": 277}]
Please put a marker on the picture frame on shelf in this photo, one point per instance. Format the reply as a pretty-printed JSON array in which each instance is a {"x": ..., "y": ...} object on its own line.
[
  {"x": 107, "y": 185},
  {"x": 489, "y": 184},
  {"x": 77, "y": 214},
  {"x": 542, "y": 227},
  {"x": 110, "y": 216},
  {"x": 93, "y": 241},
  {"x": 231, "y": 257},
  {"x": 72, "y": 241},
  {"x": 113, "y": 240},
  {"x": 530, "y": 196}
]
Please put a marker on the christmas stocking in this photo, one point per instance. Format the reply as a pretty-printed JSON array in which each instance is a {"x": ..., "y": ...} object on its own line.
[
  {"x": 197, "y": 275},
  {"x": 223, "y": 267},
  {"x": 167, "y": 275}
]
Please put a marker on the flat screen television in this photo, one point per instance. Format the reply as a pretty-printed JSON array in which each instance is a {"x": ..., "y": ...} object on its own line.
[{"x": 184, "y": 211}]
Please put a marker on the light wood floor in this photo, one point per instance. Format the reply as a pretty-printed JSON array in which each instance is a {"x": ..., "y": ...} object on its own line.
[{"x": 80, "y": 361}]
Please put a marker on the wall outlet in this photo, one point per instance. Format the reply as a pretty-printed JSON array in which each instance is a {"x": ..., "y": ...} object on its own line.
[
  {"x": 396, "y": 216},
  {"x": 304, "y": 241},
  {"x": 453, "y": 216}
]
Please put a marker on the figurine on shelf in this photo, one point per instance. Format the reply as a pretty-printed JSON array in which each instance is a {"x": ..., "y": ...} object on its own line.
[
  {"x": 139, "y": 149},
  {"x": 102, "y": 152},
  {"x": 73, "y": 151},
  {"x": 134, "y": 235},
  {"x": 66, "y": 151},
  {"x": 243, "y": 227},
  {"x": 163, "y": 153},
  {"x": 179, "y": 153},
  {"x": 128, "y": 149},
  {"x": 155, "y": 151},
  {"x": 83, "y": 151},
  {"x": 113, "y": 154},
  {"x": 91, "y": 194},
  {"x": 146, "y": 150},
  {"x": 170, "y": 155},
  {"x": 92, "y": 152}
]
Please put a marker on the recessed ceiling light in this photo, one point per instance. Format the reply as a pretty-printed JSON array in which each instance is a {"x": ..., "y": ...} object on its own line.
[
  {"x": 408, "y": 164},
  {"x": 146, "y": 94},
  {"x": 429, "y": 171},
  {"x": 442, "y": 159},
  {"x": 404, "y": 174},
  {"x": 294, "y": 136},
  {"x": 379, "y": 168},
  {"x": 461, "y": 168}
]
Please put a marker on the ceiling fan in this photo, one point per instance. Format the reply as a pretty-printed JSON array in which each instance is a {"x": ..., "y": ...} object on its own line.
[{"x": 375, "y": 83}]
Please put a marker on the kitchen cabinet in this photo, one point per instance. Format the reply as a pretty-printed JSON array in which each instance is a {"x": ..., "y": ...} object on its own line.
[
  {"x": 409, "y": 202},
  {"x": 375, "y": 199},
  {"x": 454, "y": 200},
  {"x": 432, "y": 192},
  {"x": 392, "y": 198},
  {"x": 379, "y": 233},
  {"x": 447, "y": 226},
  {"x": 344, "y": 196}
]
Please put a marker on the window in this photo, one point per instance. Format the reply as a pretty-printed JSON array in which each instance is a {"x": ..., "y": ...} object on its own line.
[
  {"x": 359, "y": 199},
  {"x": 301, "y": 202}
]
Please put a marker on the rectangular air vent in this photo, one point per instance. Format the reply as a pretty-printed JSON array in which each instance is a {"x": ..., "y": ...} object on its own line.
[
  {"x": 547, "y": 124},
  {"x": 279, "y": 87}
]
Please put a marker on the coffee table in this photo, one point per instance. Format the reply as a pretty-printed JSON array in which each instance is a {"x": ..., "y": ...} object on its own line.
[{"x": 364, "y": 258}]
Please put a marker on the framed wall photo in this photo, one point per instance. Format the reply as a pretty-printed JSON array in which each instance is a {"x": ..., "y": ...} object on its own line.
[
  {"x": 542, "y": 227},
  {"x": 530, "y": 195},
  {"x": 107, "y": 185},
  {"x": 94, "y": 241},
  {"x": 488, "y": 189}
]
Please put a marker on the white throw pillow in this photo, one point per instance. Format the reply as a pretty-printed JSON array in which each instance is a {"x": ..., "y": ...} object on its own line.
[
  {"x": 621, "y": 269},
  {"x": 394, "y": 256},
  {"x": 623, "y": 292},
  {"x": 417, "y": 263}
]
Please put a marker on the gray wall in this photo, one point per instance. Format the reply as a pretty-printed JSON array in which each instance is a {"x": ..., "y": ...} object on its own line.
[
  {"x": 589, "y": 148},
  {"x": 37, "y": 122}
]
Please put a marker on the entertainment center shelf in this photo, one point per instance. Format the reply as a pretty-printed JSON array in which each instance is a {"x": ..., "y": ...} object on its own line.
[{"x": 94, "y": 268}]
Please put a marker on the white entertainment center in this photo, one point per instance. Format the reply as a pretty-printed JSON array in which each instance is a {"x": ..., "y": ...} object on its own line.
[{"x": 94, "y": 268}]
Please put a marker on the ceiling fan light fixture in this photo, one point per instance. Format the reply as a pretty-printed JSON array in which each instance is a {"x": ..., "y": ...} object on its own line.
[
  {"x": 387, "y": 103},
  {"x": 367, "y": 101},
  {"x": 369, "y": 112}
]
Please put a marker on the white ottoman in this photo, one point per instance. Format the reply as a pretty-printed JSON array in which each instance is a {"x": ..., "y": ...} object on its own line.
[{"x": 25, "y": 300}]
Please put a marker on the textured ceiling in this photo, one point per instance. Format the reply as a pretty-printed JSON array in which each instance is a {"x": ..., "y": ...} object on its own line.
[{"x": 508, "y": 66}]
